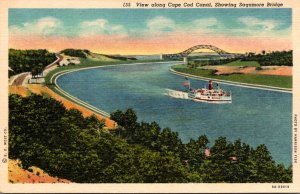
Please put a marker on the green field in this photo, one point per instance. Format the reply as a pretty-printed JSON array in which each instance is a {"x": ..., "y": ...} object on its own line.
[
  {"x": 243, "y": 63},
  {"x": 267, "y": 80}
]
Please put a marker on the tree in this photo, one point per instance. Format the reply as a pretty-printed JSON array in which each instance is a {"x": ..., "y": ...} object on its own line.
[
  {"x": 75, "y": 52},
  {"x": 65, "y": 144},
  {"x": 193, "y": 152},
  {"x": 33, "y": 61},
  {"x": 265, "y": 166}
]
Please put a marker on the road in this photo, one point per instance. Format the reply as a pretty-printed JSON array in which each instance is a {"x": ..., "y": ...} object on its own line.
[
  {"x": 59, "y": 58},
  {"x": 20, "y": 79}
]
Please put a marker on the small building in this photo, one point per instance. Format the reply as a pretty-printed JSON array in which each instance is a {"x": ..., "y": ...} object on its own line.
[
  {"x": 233, "y": 159},
  {"x": 207, "y": 152},
  {"x": 63, "y": 62}
]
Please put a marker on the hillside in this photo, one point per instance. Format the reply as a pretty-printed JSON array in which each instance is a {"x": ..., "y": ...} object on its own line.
[
  {"x": 34, "y": 175},
  {"x": 86, "y": 54}
]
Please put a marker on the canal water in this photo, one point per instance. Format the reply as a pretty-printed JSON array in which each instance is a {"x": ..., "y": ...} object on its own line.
[{"x": 255, "y": 116}]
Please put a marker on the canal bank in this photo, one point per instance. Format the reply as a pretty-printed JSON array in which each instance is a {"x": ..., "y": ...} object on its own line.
[
  {"x": 52, "y": 85},
  {"x": 245, "y": 85}
]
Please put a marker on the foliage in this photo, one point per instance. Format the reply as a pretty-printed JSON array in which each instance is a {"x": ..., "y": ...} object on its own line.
[
  {"x": 276, "y": 58},
  {"x": 76, "y": 52},
  {"x": 83, "y": 54},
  {"x": 212, "y": 61},
  {"x": 204, "y": 62},
  {"x": 33, "y": 61},
  {"x": 252, "y": 165},
  {"x": 65, "y": 144},
  {"x": 122, "y": 58},
  {"x": 243, "y": 63},
  {"x": 221, "y": 61}
]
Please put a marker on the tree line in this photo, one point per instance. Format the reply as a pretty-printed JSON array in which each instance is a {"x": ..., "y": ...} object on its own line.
[
  {"x": 33, "y": 61},
  {"x": 195, "y": 64},
  {"x": 62, "y": 142},
  {"x": 276, "y": 58},
  {"x": 76, "y": 52},
  {"x": 121, "y": 58}
]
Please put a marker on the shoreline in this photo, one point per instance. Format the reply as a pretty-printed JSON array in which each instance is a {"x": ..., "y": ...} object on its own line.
[
  {"x": 239, "y": 84},
  {"x": 58, "y": 90}
]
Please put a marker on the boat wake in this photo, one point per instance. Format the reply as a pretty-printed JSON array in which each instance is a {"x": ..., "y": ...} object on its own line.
[{"x": 177, "y": 94}]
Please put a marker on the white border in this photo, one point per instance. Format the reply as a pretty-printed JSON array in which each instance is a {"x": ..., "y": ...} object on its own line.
[{"x": 129, "y": 188}]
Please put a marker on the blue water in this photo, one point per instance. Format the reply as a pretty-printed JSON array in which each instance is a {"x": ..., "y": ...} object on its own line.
[{"x": 255, "y": 116}]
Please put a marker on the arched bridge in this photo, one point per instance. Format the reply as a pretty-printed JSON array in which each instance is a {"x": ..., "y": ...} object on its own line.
[{"x": 185, "y": 53}]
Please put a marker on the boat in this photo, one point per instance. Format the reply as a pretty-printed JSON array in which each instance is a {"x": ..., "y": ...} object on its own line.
[{"x": 209, "y": 95}]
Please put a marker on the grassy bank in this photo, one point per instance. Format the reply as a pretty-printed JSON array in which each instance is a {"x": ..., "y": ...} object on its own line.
[
  {"x": 267, "y": 80},
  {"x": 243, "y": 63}
]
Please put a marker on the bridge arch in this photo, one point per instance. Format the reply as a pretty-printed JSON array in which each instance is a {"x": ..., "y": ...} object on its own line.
[
  {"x": 185, "y": 53},
  {"x": 209, "y": 47}
]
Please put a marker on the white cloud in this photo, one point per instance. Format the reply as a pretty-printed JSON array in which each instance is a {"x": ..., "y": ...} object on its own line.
[
  {"x": 253, "y": 22},
  {"x": 203, "y": 25},
  {"x": 156, "y": 26},
  {"x": 52, "y": 26},
  {"x": 204, "y": 22},
  {"x": 42, "y": 26},
  {"x": 100, "y": 26},
  {"x": 252, "y": 26},
  {"x": 96, "y": 23},
  {"x": 256, "y": 27},
  {"x": 161, "y": 24}
]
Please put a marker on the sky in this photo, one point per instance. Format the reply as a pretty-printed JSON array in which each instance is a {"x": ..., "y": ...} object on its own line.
[{"x": 150, "y": 31}]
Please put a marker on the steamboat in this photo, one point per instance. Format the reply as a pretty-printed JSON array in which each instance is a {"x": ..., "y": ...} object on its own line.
[{"x": 210, "y": 95}]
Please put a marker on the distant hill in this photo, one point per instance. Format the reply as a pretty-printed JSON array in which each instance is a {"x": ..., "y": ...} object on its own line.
[
  {"x": 75, "y": 53},
  {"x": 94, "y": 56},
  {"x": 120, "y": 57}
]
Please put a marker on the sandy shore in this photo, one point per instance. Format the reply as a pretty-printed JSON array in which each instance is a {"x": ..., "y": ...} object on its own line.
[
  {"x": 270, "y": 70},
  {"x": 266, "y": 70},
  {"x": 36, "y": 175},
  {"x": 20, "y": 90}
]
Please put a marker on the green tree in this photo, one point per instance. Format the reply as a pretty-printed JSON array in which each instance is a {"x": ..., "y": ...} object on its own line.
[
  {"x": 193, "y": 152},
  {"x": 66, "y": 144},
  {"x": 33, "y": 61}
]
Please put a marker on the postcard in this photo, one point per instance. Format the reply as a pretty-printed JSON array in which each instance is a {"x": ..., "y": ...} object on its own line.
[{"x": 149, "y": 96}]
